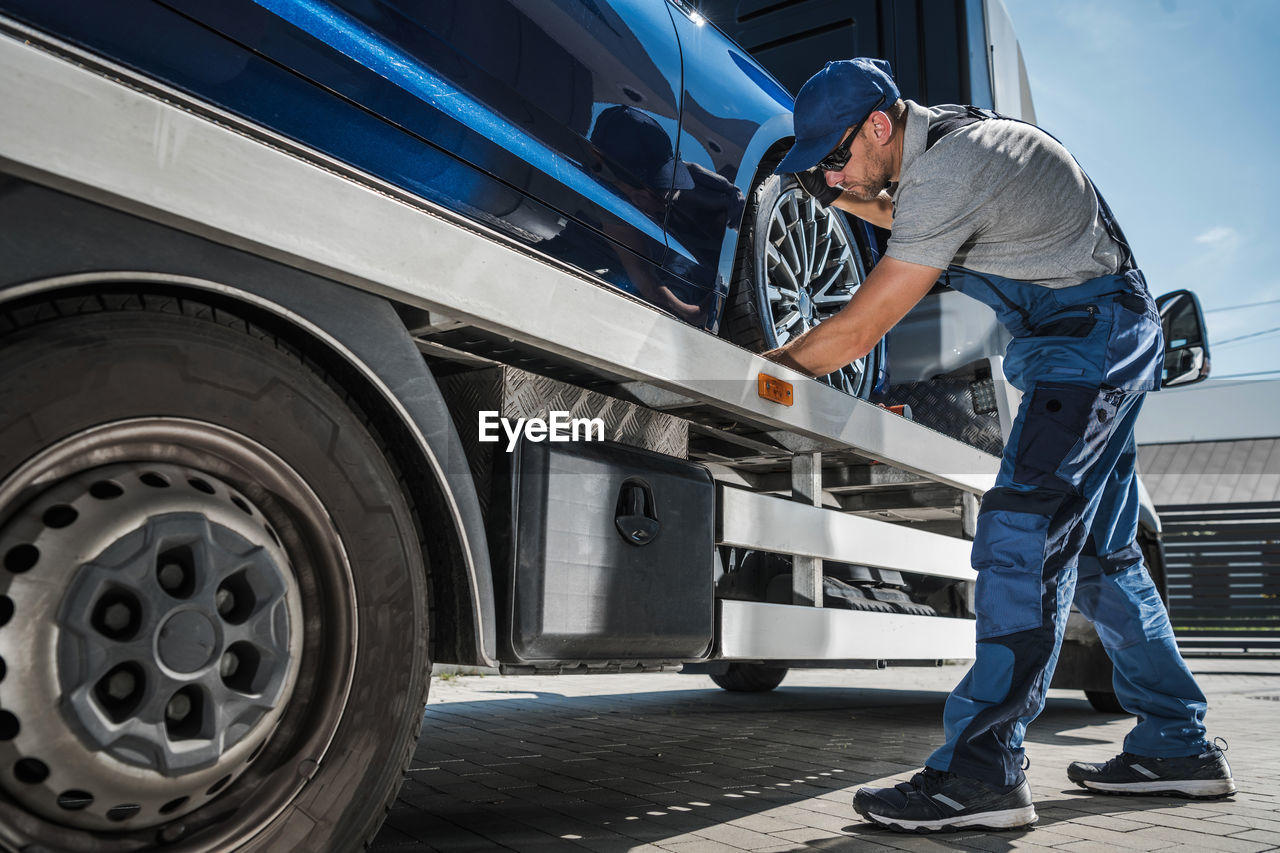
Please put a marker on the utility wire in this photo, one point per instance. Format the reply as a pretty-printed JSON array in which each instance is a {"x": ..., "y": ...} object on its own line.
[
  {"x": 1246, "y": 305},
  {"x": 1275, "y": 372},
  {"x": 1270, "y": 331}
]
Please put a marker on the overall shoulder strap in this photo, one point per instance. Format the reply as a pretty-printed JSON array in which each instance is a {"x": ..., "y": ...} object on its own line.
[{"x": 941, "y": 128}]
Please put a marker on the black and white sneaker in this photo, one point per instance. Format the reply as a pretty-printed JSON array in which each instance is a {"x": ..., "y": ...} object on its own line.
[
  {"x": 1206, "y": 776},
  {"x": 935, "y": 801}
]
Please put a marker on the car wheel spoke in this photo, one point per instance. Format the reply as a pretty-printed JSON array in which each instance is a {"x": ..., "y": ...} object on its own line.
[
  {"x": 832, "y": 291},
  {"x": 803, "y": 259},
  {"x": 780, "y": 269},
  {"x": 820, "y": 263},
  {"x": 788, "y": 320},
  {"x": 789, "y": 223},
  {"x": 784, "y": 243},
  {"x": 821, "y": 236},
  {"x": 781, "y": 295}
]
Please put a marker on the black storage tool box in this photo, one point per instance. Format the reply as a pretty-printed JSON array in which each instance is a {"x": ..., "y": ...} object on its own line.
[{"x": 612, "y": 554}]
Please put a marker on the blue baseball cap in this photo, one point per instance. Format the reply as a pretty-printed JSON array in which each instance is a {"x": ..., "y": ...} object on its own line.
[{"x": 839, "y": 96}]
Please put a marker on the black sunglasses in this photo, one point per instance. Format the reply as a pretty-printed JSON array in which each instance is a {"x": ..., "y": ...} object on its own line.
[{"x": 839, "y": 158}]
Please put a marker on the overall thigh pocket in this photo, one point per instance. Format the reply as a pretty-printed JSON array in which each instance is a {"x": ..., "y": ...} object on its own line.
[
  {"x": 1010, "y": 550},
  {"x": 1064, "y": 431}
]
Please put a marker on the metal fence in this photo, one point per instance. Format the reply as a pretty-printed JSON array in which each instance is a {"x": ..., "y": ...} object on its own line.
[{"x": 1222, "y": 562}]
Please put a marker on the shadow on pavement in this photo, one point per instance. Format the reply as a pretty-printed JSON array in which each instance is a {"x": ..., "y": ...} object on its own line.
[{"x": 544, "y": 771}]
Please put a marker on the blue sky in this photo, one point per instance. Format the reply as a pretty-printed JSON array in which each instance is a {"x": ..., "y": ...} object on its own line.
[{"x": 1170, "y": 107}]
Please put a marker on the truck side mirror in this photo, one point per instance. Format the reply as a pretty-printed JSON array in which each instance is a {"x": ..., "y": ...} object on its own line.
[{"x": 1186, "y": 348}]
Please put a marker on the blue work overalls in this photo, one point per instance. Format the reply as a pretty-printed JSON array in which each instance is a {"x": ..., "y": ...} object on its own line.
[{"x": 1062, "y": 519}]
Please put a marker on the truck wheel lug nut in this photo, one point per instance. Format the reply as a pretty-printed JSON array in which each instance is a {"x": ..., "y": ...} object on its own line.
[
  {"x": 178, "y": 708},
  {"x": 116, "y": 617},
  {"x": 121, "y": 685}
]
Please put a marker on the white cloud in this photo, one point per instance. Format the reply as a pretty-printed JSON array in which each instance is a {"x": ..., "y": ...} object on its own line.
[{"x": 1219, "y": 235}]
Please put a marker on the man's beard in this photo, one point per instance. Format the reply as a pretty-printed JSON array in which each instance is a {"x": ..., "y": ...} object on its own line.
[{"x": 877, "y": 181}]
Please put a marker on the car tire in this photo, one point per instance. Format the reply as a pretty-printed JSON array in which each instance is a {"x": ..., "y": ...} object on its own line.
[
  {"x": 124, "y": 408},
  {"x": 750, "y": 677},
  {"x": 798, "y": 264}
]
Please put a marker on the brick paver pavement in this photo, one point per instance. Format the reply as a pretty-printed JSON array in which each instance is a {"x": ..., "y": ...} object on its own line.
[{"x": 672, "y": 763}]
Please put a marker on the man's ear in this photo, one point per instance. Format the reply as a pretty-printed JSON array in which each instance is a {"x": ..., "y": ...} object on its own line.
[{"x": 881, "y": 127}]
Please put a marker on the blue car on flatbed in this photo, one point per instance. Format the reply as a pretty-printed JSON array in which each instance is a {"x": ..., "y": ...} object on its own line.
[{"x": 629, "y": 139}]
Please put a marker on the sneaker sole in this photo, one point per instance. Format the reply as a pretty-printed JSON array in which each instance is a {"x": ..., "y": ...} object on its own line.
[
  {"x": 1007, "y": 819},
  {"x": 1192, "y": 789}
]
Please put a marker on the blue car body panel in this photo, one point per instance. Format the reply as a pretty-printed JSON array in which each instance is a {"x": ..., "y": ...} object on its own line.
[
  {"x": 732, "y": 113},
  {"x": 621, "y": 137}
]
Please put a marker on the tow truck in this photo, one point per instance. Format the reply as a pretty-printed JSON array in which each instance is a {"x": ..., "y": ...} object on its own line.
[{"x": 245, "y": 503}]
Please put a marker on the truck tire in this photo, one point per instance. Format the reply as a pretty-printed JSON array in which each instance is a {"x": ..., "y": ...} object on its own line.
[
  {"x": 1104, "y": 702},
  {"x": 213, "y": 613},
  {"x": 750, "y": 677},
  {"x": 797, "y": 265}
]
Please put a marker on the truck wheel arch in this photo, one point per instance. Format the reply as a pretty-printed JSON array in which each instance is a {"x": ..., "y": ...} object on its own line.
[{"x": 356, "y": 334}]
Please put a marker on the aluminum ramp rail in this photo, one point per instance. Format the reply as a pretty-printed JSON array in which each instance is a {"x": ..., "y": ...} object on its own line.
[{"x": 158, "y": 153}]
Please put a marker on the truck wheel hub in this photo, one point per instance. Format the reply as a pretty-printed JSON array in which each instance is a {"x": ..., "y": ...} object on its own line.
[
  {"x": 187, "y": 641},
  {"x": 154, "y": 626}
]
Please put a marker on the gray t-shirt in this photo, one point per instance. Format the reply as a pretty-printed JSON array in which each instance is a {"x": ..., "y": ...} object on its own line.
[{"x": 997, "y": 196}]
